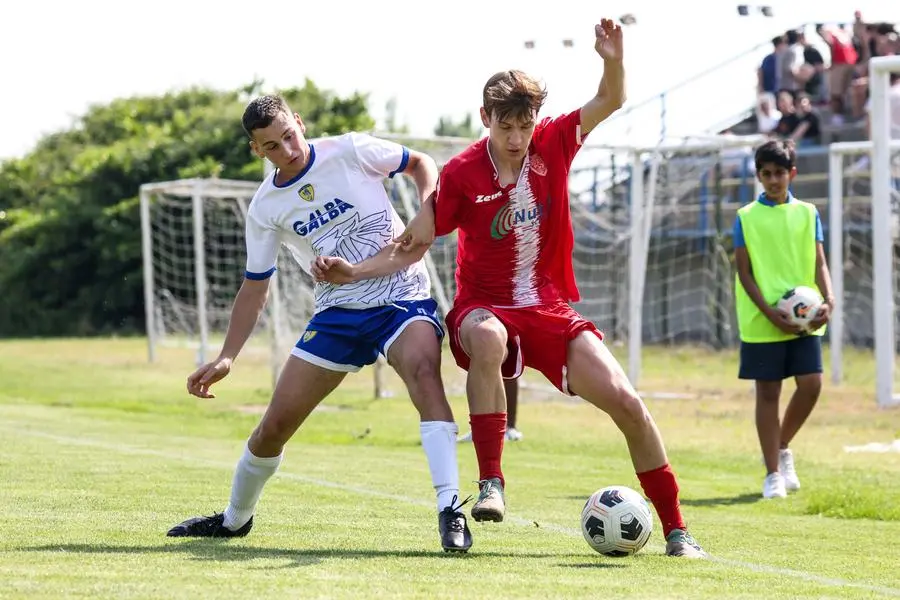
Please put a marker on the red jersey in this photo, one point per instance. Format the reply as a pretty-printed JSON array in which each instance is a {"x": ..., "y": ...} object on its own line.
[{"x": 515, "y": 242}]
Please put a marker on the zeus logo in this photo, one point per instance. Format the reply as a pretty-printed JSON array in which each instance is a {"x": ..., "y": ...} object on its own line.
[
  {"x": 507, "y": 219},
  {"x": 317, "y": 218},
  {"x": 481, "y": 198}
]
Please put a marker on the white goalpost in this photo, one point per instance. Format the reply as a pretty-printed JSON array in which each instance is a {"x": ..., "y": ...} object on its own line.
[
  {"x": 681, "y": 198},
  {"x": 864, "y": 197},
  {"x": 192, "y": 234}
]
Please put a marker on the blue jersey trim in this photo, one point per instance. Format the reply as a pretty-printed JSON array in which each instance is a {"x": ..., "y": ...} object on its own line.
[
  {"x": 403, "y": 162},
  {"x": 296, "y": 178},
  {"x": 737, "y": 233},
  {"x": 259, "y": 276}
]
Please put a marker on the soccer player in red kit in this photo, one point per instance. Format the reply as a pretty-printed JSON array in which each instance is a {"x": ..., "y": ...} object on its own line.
[{"x": 507, "y": 195}]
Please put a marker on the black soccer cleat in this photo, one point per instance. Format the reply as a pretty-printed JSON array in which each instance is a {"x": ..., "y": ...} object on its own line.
[
  {"x": 209, "y": 527},
  {"x": 455, "y": 534}
]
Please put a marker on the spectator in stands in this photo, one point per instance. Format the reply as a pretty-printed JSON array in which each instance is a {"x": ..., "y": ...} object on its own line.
[
  {"x": 874, "y": 39},
  {"x": 768, "y": 76},
  {"x": 807, "y": 132},
  {"x": 814, "y": 63},
  {"x": 843, "y": 62},
  {"x": 789, "y": 120},
  {"x": 799, "y": 120},
  {"x": 795, "y": 73},
  {"x": 767, "y": 116}
]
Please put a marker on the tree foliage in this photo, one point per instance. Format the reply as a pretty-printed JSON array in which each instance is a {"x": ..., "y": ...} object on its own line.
[
  {"x": 464, "y": 129},
  {"x": 70, "y": 247}
]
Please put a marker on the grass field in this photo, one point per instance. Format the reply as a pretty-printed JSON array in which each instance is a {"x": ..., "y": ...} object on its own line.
[{"x": 103, "y": 452}]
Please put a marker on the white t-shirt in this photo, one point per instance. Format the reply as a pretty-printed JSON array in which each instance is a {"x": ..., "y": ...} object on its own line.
[{"x": 337, "y": 206}]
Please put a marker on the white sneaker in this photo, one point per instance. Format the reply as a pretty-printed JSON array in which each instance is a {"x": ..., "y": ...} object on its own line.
[
  {"x": 513, "y": 434},
  {"x": 467, "y": 437},
  {"x": 773, "y": 486},
  {"x": 786, "y": 468}
]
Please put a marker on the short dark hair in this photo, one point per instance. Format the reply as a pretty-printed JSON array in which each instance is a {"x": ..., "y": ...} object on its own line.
[
  {"x": 262, "y": 111},
  {"x": 792, "y": 35},
  {"x": 778, "y": 152},
  {"x": 777, "y": 40},
  {"x": 513, "y": 94}
]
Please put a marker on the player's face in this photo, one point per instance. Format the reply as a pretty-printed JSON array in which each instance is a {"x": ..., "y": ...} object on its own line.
[
  {"x": 510, "y": 137},
  {"x": 283, "y": 143},
  {"x": 775, "y": 179}
]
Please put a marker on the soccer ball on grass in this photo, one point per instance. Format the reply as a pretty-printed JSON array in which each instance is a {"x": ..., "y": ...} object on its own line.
[{"x": 616, "y": 521}]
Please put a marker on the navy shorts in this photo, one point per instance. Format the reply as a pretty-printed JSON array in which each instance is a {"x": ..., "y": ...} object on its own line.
[
  {"x": 774, "y": 361},
  {"x": 343, "y": 339}
]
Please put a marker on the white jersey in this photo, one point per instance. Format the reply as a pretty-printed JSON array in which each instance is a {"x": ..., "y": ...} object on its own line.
[{"x": 337, "y": 206}]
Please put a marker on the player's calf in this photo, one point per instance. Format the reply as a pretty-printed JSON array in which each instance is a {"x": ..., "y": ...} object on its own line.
[{"x": 416, "y": 357}]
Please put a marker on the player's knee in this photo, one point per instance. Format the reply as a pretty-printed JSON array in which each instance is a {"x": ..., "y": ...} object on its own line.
[
  {"x": 810, "y": 385},
  {"x": 420, "y": 367},
  {"x": 486, "y": 343},
  {"x": 631, "y": 413}
]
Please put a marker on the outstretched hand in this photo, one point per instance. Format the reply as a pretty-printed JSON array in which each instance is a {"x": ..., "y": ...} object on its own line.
[
  {"x": 200, "y": 381},
  {"x": 331, "y": 269},
  {"x": 609, "y": 40}
]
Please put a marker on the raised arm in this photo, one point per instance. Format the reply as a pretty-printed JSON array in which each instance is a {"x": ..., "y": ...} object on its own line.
[{"x": 611, "y": 92}]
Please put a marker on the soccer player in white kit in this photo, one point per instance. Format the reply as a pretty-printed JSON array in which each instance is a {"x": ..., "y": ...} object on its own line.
[{"x": 328, "y": 199}]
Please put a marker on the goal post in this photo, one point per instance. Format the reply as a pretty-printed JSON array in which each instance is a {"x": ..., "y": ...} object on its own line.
[
  {"x": 880, "y": 69},
  {"x": 864, "y": 196},
  {"x": 175, "y": 239},
  {"x": 192, "y": 234},
  {"x": 679, "y": 271}
]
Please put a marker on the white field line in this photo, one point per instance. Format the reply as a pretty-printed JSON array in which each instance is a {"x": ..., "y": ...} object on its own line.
[{"x": 130, "y": 450}]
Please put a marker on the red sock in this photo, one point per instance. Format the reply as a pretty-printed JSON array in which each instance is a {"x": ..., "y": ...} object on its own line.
[
  {"x": 662, "y": 489},
  {"x": 488, "y": 433}
]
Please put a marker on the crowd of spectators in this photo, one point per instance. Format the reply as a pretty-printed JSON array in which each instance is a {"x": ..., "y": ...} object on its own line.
[{"x": 819, "y": 73}]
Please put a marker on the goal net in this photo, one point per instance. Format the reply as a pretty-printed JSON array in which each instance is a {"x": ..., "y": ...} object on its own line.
[
  {"x": 194, "y": 261},
  {"x": 863, "y": 231}
]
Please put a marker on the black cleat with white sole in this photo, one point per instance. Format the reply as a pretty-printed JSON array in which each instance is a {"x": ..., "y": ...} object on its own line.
[
  {"x": 209, "y": 527},
  {"x": 455, "y": 534}
]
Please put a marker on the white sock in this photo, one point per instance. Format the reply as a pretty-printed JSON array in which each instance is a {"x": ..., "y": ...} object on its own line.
[
  {"x": 439, "y": 443},
  {"x": 250, "y": 476}
]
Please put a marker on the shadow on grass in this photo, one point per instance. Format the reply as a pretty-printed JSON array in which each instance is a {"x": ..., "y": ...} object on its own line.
[
  {"x": 593, "y": 565},
  {"x": 723, "y": 501},
  {"x": 221, "y": 550}
]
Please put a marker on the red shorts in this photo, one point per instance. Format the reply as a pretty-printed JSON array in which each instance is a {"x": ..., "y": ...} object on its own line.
[{"x": 538, "y": 337}]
